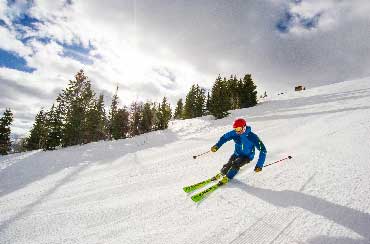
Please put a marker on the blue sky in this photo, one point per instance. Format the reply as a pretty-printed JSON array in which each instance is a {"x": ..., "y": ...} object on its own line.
[
  {"x": 77, "y": 52},
  {"x": 10, "y": 59},
  {"x": 152, "y": 48},
  {"x": 13, "y": 61}
]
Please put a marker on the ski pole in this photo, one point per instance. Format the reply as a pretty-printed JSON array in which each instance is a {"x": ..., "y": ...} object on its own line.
[
  {"x": 289, "y": 157},
  {"x": 195, "y": 156}
]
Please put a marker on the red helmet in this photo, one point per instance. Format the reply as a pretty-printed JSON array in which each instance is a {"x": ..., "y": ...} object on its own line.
[{"x": 239, "y": 123}]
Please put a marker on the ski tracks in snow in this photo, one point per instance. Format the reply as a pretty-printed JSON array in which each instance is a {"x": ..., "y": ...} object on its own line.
[{"x": 246, "y": 226}]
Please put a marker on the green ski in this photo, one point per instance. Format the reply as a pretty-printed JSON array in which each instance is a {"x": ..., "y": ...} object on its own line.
[
  {"x": 201, "y": 184},
  {"x": 201, "y": 195}
]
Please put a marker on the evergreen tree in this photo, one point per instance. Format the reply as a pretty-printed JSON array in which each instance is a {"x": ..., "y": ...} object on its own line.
[
  {"x": 249, "y": 93},
  {"x": 234, "y": 90},
  {"x": 113, "y": 132},
  {"x": 146, "y": 124},
  {"x": 208, "y": 103},
  {"x": 156, "y": 115},
  {"x": 77, "y": 99},
  {"x": 179, "y": 110},
  {"x": 5, "y": 123},
  {"x": 195, "y": 102},
  {"x": 200, "y": 101},
  {"x": 101, "y": 131},
  {"x": 189, "y": 104},
  {"x": 220, "y": 100},
  {"x": 54, "y": 125},
  {"x": 96, "y": 121},
  {"x": 118, "y": 121},
  {"x": 166, "y": 111},
  {"x": 164, "y": 114},
  {"x": 39, "y": 132},
  {"x": 120, "y": 124},
  {"x": 135, "y": 118}
]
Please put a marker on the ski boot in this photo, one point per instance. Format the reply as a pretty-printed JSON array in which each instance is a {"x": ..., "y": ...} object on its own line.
[
  {"x": 223, "y": 181},
  {"x": 217, "y": 177}
]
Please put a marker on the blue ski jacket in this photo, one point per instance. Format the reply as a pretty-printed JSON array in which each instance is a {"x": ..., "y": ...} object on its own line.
[{"x": 245, "y": 145}]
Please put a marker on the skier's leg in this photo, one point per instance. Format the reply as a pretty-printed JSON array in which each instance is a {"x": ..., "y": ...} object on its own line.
[
  {"x": 224, "y": 171},
  {"x": 237, "y": 163},
  {"x": 230, "y": 169},
  {"x": 228, "y": 165}
]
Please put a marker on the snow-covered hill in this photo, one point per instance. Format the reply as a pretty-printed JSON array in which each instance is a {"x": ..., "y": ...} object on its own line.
[{"x": 130, "y": 191}]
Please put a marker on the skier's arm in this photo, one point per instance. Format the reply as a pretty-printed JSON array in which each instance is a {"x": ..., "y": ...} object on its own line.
[
  {"x": 225, "y": 138},
  {"x": 260, "y": 146}
]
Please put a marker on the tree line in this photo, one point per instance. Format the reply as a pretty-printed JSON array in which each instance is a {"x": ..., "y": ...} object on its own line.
[
  {"x": 226, "y": 94},
  {"x": 78, "y": 115}
]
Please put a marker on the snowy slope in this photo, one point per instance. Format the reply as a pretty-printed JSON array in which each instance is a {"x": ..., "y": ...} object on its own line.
[{"x": 130, "y": 191}]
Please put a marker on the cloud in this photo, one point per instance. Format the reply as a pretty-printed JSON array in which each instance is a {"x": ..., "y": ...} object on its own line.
[
  {"x": 19, "y": 93},
  {"x": 15, "y": 89},
  {"x": 9, "y": 42},
  {"x": 3, "y": 8},
  {"x": 303, "y": 17}
]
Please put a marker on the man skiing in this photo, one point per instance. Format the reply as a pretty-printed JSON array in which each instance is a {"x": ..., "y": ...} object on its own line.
[{"x": 245, "y": 143}]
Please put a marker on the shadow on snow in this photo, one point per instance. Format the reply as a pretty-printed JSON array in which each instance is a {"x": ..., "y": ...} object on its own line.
[{"x": 352, "y": 219}]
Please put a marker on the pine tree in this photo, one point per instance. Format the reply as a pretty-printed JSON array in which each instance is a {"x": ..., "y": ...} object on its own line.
[
  {"x": 195, "y": 102},
  {"x": 179, "y": 110},
  {"x": 77, "y": 99},
  {"x": 102, "y": 121},
  {"x": 189, "y": 104},
  {"x": 5, "y": 131},
  {"x": 39, "y": 131},
  {"x": 200, "y": 101},
  {"x": 164, "y": 114},
  {"x": 220, "y": 100},
  {"x": 233, "y": 87},
  {"x": 96, "y": 121},
  {"x": 156, "y": 115},
  {"x": 113, "y": 132},
  {"x": 146, "y": 124},
  {"x": 208, "y": 104},
  {"x": 118, "y": 121},
  {"x": 166, "y": 111},
  {"x": 249, "y": 93},
  {"x": 120, "y": 124},
  {"x": 135, "y": 118},
  {"x": 54, "y": 125}
]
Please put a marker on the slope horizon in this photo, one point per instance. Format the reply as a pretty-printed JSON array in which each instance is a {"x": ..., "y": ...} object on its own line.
[{"x": 17, "y": 135}]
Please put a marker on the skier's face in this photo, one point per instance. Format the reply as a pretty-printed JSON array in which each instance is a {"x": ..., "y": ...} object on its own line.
[{"x": 240, "y": 130}]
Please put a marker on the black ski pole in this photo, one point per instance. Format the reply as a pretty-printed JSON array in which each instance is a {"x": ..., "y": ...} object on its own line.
[
  {"x": 289, "y": 157},
  {"x": 195, "y": 156}
]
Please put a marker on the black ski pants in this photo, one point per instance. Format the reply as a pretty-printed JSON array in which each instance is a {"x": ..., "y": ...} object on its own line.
[{"x": 234, "y": 163}]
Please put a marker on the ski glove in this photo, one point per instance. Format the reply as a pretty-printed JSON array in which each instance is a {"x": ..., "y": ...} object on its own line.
[
  {"x": 214, "y": 148},
  {"x": 257, "y": 169}
]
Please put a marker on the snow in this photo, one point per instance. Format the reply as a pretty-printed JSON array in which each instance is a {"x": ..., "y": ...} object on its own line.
[{"x": 130, "y": 191}]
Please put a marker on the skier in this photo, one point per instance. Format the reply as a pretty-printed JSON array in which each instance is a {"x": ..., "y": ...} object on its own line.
[{"x": 245, "y": 143}]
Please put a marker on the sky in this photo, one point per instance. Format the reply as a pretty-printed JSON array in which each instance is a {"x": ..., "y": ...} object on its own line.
[{"x": 152, "y": 49}]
